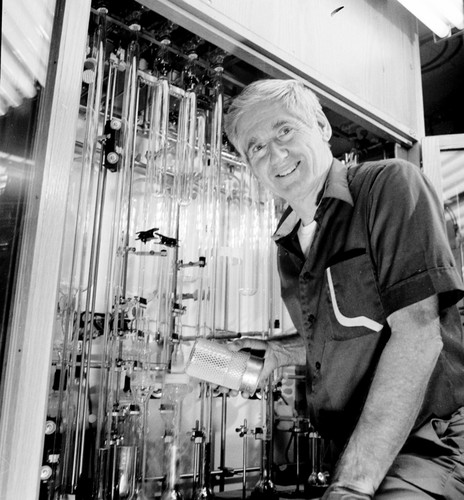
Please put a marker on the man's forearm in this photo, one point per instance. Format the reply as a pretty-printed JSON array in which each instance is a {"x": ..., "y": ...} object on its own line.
[
  {"x": 391, "y": 408},
  {"x": 288, "y": 350}
]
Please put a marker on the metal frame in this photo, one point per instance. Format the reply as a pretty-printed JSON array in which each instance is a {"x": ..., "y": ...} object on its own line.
[
  {"x": 24, "y": 396},
  {"x": 431, "y": 162}
]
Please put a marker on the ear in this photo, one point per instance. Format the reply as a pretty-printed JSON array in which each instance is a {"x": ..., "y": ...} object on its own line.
[{"x": 324, "y": 125}]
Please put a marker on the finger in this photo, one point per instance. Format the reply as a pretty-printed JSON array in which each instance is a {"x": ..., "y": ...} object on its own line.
[
  {"x": 245, "y": 343},
  {"x": 236, "y": 345},
  {"x": 225, "y": 390},
  {"x": 217, "y": 392}
]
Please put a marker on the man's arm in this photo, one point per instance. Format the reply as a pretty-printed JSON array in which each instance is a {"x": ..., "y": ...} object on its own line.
[
  {"x": 283, "y": 350},
  {"x": 393, "y": 402}
]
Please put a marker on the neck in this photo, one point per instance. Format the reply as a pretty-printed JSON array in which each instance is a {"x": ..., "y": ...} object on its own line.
[
  {"x": 307, "y": 216},
  {"x": 307, "y": 206}
]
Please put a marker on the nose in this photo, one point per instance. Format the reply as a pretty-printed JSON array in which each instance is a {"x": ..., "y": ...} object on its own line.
[{"x": 278, "y": 152}]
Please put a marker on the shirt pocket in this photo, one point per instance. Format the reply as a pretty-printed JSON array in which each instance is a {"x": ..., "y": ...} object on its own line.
[{"x": 355, "y": 308}]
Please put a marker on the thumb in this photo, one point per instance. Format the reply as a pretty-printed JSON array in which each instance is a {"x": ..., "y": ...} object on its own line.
[{"x": 247, "y": 343}]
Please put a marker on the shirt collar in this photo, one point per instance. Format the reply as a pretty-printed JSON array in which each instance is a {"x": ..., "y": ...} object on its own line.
[{"x": 335, "y": 186}]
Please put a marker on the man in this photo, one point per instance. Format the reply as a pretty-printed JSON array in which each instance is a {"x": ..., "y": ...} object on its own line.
[{"x": 370, "y": 283}]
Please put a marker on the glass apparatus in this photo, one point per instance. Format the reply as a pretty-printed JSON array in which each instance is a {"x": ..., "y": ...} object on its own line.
[
  {"x": 176, "y": 387},
  {"x": 152, "y": 250}
]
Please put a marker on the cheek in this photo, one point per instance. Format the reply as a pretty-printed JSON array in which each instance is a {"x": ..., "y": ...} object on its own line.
[
  {"x": 259, "y": 170},
  {"x": 311, "y": 156}
]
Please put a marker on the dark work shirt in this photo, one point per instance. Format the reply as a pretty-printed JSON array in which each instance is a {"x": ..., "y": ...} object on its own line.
[{"x": 380, "y": 245}]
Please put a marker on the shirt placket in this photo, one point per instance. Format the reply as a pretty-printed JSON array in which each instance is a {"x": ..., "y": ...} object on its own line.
[{"x": 310, "y": 290}]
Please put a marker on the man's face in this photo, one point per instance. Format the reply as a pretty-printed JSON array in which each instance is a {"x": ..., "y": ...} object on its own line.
[{"x": 287, "y": 155}]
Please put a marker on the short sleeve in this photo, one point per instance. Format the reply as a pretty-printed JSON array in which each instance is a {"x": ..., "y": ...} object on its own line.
[{"x": 408, "y": 241}]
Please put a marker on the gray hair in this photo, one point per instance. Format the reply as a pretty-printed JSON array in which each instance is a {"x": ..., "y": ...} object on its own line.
[{"x": 291, "y": 93}]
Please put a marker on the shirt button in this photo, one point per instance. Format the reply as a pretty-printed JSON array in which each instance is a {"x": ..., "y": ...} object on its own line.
[
  {"x": 318, "y": 365},
  {"x": 306, "y": 275},
  {"x": 311, "y": 319}
]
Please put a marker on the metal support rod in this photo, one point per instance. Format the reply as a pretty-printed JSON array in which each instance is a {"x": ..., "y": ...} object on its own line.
[
  {"x": 314, "y": 464},
  {"x": 222, "y": 458},
  {"x": 297, "y": 448},
  {"x": 197, "y": 438},
  {"x": 245, "y": 457},
  {"x": 87, "y": 204}
]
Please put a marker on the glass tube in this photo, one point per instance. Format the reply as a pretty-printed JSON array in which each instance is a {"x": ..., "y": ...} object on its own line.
[
  {"x": 214, "y": 185},
  {"x": 151, "y": 265},
  {"x": 114, "y": 185},
  {"x": 158, "y": 136},
  {"x": 175, "y": 389},
  {"x": 117, "y": 474},
  {"x": 115, "y": 295},
  {"x": 211, "y": 193},
  {"x": 126, "y": 454},
  {"x": 249, "y": 233},
  {"x": 265, "y": 256},
  {"x": 264, "y": 488},
  {"x": 129, "y": 119},
  {"x": 185, "y": 150},
  {"x": 84, "y": 267},
  {"x": 195, "y": 277},
  {"x": 228, "y": 298},
  {"x": 202, "y": 489}
]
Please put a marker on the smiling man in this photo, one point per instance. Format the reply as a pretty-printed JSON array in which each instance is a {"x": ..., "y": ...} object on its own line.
[
  {"x": 370, "y": 283},
  {"x": 288, "y": 154}
]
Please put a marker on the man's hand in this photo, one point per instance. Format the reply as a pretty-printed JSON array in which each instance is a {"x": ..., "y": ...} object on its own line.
[{"x": 281, "y": 351}]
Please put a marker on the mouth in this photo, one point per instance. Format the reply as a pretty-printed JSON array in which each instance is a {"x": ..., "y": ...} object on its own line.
[{"x": 288, "y": 171}]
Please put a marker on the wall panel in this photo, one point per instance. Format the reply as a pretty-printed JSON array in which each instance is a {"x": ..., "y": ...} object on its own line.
[{"x": 363, "y": 59}]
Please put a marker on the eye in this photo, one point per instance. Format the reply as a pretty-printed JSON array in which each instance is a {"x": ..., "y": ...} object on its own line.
[
  {"x": 285, "y": 132},
  {"x": 256, "y": 150}
]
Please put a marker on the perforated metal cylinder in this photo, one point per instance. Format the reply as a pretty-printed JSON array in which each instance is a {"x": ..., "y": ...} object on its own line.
[{"x": 214, "y": 363}]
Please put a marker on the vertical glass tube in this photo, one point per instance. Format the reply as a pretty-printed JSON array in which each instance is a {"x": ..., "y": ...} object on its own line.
[
  {"x": 249, "y": 233},
  {"x": 76, "y": 349},
  {"x": 158, "y": 136},
  {"x": 106, "y": 371},
  {"x": 210, "y": 193},
  {"x": 212, "y": 176},
  {"x": 230, "y": 252},
  {"x": 185, "y": 150},
  {"x": 265, "y": 256},
  {"x": 125, "y": 480},
  {"x": 192, "y": 234},
  {"x": 115, "y": 302},
  {"x": 162, "y": 301},
  {"x": 129, "y": 132},
  {"x": 264, "y": 488},
  {"x": 174, "y": 391},
  {"x": 204, "y": 223},
  {"x": 202, "y": 489},
  {"x": 148, "y": 213}
]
